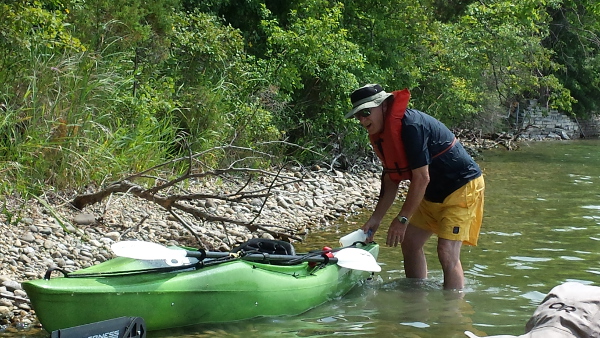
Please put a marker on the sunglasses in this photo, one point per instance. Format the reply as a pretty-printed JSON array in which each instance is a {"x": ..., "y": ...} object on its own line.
[{"x": 362, "y": 113}]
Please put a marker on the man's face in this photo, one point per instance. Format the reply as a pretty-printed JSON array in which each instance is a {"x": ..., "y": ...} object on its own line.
[{"x": 373, "y": 123}]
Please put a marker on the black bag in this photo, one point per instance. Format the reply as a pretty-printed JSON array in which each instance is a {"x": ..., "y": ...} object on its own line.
[
  {"x": 122, "y": 327},
  {"x": 569, "y": 310},
  {"x": 269, "y": 246}
]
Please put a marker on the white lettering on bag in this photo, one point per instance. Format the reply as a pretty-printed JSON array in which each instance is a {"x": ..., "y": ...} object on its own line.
[{"x": 111, "y": 334}]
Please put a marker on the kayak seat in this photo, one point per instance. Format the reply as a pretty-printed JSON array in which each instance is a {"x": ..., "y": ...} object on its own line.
[{"x": 269, "y": 246}]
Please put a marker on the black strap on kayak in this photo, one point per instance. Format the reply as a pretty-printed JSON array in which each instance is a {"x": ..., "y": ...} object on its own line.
[
  {"x": 51, "y": 270},
  {"x": 68, "y": 274},
  {"x": 199, "y": 265},
  {"x": 303, "y": 258},
  {"x": 202, "y": 255},
  {"x": 265, "y": 245},
  {"x": 353, "y": 245}
]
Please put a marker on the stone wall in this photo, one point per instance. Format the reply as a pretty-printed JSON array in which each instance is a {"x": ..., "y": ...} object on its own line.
[
  {"x": 591, "y": 128},
  {"x": 544, "y": 124}
]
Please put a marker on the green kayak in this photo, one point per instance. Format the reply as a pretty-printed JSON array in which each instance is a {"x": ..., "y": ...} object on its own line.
[{"x": 200, "y": 290}]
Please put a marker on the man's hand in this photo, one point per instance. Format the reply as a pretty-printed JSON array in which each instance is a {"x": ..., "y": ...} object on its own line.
[
  {"x": 396, "y": 232},
  {"x": 371, "y": 227}
]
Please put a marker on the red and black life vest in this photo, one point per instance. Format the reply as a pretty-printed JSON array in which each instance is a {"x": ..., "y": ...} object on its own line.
[{"x": 388, "y": 144}]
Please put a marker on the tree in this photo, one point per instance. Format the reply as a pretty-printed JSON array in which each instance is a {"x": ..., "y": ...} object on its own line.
[
  {"x": 575, "y": 40},
  {"x": 454, "y": 67},
  {"x": 312, "y": 64}
]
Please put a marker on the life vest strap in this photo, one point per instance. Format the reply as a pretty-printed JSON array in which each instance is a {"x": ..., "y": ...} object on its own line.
[{"x": 445, "y": 150}]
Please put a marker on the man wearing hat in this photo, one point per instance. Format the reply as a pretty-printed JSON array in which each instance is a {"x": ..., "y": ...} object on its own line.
[{"x": 446, "y": 190}]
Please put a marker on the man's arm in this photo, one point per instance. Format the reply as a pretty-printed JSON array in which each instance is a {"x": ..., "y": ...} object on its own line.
[
  {"x": 387, "y": 195},
  {"x": 416, "y": 192}
]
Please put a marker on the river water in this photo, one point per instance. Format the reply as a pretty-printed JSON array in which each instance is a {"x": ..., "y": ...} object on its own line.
[{"x": 541, "y": 228}]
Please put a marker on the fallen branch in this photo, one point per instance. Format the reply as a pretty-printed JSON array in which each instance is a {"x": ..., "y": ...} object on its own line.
[{"x": 185, "y": 201}]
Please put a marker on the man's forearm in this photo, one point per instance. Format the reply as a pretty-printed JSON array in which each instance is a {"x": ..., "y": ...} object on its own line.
[
  {"x": 389, "y": 190},
  {"x": 416, "y": 191}
]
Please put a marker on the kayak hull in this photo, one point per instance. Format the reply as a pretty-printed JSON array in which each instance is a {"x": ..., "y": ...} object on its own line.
[{"x": 230, "y": 291}]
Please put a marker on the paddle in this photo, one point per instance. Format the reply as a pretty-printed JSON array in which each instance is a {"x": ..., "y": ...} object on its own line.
[{"x": 351, "y": 258}]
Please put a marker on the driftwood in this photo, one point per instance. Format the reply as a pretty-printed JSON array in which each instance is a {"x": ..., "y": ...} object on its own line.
[
  {"x": 238, "y": 178},
  {"x": 478, "y": 140},
  {"x": 509, "y": 140}
]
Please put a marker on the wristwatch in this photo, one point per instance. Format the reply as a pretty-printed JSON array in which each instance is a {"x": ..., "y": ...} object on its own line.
[{"x": 402, "y": 219}]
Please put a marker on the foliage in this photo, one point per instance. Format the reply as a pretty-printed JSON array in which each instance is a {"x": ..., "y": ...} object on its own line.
[
  {"x": 507, "y": 38},
  {"x": 66, "y": 130},
  {"x": 93, "y": 89},
  {"x": 246, "y": 17},
  {"x": 220, "y": 90},
  {"x": 454, "y": 67},
  {"x": 24, "y": 28},
  {"x": 312, "y": 64},
  {"x": 118, "y": 25},
  {"x": 574, "y": 38}
]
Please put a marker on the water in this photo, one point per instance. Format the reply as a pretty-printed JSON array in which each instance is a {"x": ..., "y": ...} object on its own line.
[{"x": 541, "y": 228}]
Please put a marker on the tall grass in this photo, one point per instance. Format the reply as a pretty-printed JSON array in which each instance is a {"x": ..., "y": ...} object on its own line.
[
  {"x": 70, "y": 119},
  {"x": 74, "y": 119}
]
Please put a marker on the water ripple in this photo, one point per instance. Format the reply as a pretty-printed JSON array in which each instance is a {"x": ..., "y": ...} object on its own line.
[
  {"x": 534, "y": 296},
  {"x": 571, "y": 228},
  {"x": 499, "y": 233},
  {"x": 571, "y": 258},
  {"x": 530, "y": 259},
  {"x": 419, "y": 325}
]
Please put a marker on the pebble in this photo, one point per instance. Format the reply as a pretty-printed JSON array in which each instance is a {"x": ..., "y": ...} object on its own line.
[
  {"x": 5, "y": 312},
  {"x": 113, "y": 235},
  {"x": 11, "y": 285},
  {"x": 28, "y": 237},
  {"x": 48, "y": 244},
  {"x": 84, "y": 219}
]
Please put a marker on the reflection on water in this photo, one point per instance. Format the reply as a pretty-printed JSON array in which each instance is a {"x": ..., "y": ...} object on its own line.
[{"x": 540, "y": 229}]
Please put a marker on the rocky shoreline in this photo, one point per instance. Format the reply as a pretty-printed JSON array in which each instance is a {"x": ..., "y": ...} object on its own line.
[{"x": 48, "y": 232}]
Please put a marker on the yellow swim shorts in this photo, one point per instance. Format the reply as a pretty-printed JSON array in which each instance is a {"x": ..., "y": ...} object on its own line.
[{"x": 458, "y": 218}]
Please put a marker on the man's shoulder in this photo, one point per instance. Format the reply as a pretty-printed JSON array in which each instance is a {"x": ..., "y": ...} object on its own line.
[
  {"x": 414, "y": 117},
  {"x": 413, "y": 112}
]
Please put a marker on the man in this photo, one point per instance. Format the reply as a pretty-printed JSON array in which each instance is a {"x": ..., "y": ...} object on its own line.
[{"x": 445, "y": 196}]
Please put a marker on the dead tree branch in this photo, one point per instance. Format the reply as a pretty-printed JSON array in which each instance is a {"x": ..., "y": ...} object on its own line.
[{"x": 242, "y": 184}]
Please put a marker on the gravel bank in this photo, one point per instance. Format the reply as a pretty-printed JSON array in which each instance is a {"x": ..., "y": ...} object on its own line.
[{"x": 47, "y": 232}]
